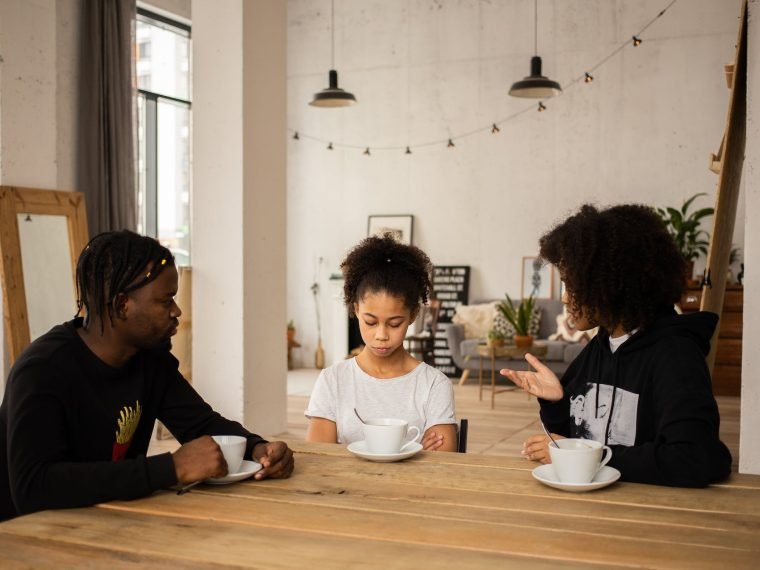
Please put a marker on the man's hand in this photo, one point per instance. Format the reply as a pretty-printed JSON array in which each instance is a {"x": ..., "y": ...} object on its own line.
[
  {"x": 276, "y": 458},
  {"x": 199, "y": 459},
  {"x": 536, "y": 448}
]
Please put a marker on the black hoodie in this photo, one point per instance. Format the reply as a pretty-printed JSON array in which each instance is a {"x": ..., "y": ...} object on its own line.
[{"x": 651, "y": 402}]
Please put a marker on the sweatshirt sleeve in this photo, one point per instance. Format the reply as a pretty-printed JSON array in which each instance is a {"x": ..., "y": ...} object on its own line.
[
  {"x": 187, "y": 416},
  {"x": 40, "y": 470},
  {"x": 686, "y": 450}
]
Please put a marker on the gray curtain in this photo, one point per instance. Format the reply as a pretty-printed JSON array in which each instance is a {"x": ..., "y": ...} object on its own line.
[{"x": 105, "y": 154}]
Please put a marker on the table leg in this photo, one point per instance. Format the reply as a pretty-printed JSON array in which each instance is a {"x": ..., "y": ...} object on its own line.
[
  {"x": 480, "y": 380},
  {"x": 493, "y": 379}
]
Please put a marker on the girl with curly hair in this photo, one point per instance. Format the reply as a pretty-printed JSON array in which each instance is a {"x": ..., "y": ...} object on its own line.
[
  {"x": 641, "y": 385},
  {"x": 386, "y": 282}
]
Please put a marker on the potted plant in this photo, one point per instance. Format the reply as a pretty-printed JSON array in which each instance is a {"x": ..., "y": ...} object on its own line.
[
  {"x": 495, "y": 338},
  {"x": 684, "y": 227},
  {"x": 291, "y": 332},
  {"x": 519, "y": 317}
]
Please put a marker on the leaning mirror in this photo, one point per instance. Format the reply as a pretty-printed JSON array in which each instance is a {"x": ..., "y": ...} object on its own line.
[{"x": 42, "y": 233}]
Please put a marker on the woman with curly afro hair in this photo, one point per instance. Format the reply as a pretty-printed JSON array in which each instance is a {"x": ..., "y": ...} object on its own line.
[
  {"x": 641, "y": 385},
  {"x": 386, "y": 282}
]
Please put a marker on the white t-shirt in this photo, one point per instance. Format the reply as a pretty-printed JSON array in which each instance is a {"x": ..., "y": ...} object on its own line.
[{"x": 424, "y": 397}]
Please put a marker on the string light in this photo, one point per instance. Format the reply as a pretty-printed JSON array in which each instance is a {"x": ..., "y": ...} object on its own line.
[{"x": 586, "y": 77}]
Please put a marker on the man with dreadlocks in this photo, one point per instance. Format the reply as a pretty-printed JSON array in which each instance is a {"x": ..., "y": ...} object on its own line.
[{"x": 81, "y": 401}]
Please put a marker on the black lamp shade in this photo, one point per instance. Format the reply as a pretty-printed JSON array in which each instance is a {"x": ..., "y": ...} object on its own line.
[
  {"x": 535, "y": 86},
  {"x": 333, "y": 96}
]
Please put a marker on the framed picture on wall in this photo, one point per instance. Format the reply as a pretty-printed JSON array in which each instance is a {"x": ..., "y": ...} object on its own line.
[
  {"x": 537, "y": 278},
  {"x": 398, "y": 226}
]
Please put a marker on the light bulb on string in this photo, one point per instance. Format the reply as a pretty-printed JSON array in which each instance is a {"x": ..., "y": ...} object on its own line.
[
  {"x": 450, "y": 144},
  {"x": 408, "y": 151},
  {"x": 295, "y": 136},
  {"x": 366, "y": 151},
  {"x": 495, "y": 129},
  {"x": 330, "y": 146},
  {"x": 541, "y": 107},
  {"x": 589, "y": 78},
  {"x": 636, "y": 41}
]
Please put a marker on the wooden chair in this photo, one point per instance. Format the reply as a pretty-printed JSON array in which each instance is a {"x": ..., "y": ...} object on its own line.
[
  {"x": 462, "y": 436},
  {"x": 423, "y": 343}
]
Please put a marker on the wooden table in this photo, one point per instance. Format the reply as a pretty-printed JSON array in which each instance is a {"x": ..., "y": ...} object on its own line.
[
  {"x": 435, "y": 510},
  {"x": 511, "y": 351}
]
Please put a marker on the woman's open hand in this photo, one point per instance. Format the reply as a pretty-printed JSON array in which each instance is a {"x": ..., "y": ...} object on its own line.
[{"x": 542, "y": 383}]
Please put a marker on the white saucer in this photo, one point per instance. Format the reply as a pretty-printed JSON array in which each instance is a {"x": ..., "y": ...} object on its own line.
[
  {"x": 247, "y": 469},
  {"x": 606, "y": 476},
  {"x": 359, "y": 448}
]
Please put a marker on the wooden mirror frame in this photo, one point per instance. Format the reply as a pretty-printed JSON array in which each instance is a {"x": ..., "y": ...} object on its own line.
[{"x": 14, "y": 201}]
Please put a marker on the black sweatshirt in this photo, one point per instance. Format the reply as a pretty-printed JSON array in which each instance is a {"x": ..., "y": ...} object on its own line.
[
  {"x": 651, "y": 402},
  {"x": 74, "y": 431}
]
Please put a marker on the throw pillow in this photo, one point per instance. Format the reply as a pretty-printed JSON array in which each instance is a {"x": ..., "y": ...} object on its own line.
[
  {"x": 501, "y": 324},
  {"x": 566, "y": 330},
  {"x": 477, "y": 319}
]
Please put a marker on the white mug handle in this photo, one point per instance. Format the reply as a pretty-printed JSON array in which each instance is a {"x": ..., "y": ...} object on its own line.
[
  {"x": 416, "y": 436},
  {"x": 606, "y": 458}
]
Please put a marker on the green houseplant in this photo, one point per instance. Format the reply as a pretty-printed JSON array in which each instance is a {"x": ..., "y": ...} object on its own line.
[
  {"x": 519, "y": 317},
  {"x": 496, "y": 338},
  {"x": 684, "y": 227}
]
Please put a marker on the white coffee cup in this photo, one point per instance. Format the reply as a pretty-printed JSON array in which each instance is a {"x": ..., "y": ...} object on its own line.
[
  {"x": 388, "y": 435},
  {"x": 578, "y": 460},
  {"x": 233, "y": 448}
]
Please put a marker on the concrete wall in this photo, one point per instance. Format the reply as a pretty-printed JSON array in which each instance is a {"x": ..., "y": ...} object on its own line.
[
  {"x": 38, "y": 97},
  {"x": 239, "y": 360},
  {"x": 427, "y": 70}
]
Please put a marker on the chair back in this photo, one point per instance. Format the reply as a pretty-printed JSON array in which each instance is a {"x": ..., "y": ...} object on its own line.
[{"x": 462, "y": 436}]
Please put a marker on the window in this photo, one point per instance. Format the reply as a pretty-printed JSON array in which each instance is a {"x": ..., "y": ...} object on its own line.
[{"x": 164, "y": 130}]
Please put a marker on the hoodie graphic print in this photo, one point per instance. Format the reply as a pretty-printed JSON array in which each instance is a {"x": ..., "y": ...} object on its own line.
[{"x": 591, "y": 408}]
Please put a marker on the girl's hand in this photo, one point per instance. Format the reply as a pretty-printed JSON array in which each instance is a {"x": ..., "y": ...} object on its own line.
[
  {"x": 536, "y": 448},
  {"x": 542, "y": 383},
  {"x": 432, "y": 441}
]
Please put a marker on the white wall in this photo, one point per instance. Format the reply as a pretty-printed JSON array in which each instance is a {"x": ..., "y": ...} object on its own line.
[
  {"x": 38, "y": 96},
  {"x": 238, "y": 220},
  {"x": 425, "y": 70}
]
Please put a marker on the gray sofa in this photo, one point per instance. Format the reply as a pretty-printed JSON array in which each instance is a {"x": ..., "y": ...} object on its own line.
[{"x": 464, "y": 351}]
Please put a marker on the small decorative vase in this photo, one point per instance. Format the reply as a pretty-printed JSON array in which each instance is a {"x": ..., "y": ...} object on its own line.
[
  {"x": 523, "y": 341},
  {"x": 319, "y": 355}
]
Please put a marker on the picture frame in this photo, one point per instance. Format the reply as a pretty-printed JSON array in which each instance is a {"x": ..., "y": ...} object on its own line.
[
  {"x": 537, "y": 278},
  {"x": 400, "y": 226}
]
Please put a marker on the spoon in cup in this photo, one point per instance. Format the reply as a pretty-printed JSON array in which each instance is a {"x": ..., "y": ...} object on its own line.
[
  {"x": 546, "y": 431},
  {"x": 358, "y": 416}
]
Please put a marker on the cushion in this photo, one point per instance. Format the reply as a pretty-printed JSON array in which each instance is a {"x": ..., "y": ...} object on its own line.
[
  {"x": 566, "y": 330},
  {"x": 477, "y": 319},
  {"x": 501, "y": 324}
]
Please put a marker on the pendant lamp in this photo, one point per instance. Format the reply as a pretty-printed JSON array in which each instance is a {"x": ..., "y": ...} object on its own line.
[
  {"x": 333, "y": 96},
  {"x": 535, "y": 85}
]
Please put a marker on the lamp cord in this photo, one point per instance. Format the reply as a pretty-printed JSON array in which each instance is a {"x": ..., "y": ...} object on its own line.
[
  {"x": 535, "y": 27},
  {"x": 332, "y": 33}
]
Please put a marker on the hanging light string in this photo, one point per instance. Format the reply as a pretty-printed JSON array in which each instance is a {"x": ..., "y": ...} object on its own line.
[{"x": 586, "y": 77}]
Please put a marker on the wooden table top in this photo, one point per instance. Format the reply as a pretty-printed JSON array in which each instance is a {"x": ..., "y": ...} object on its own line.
[{"x": 435, "y": 510}]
